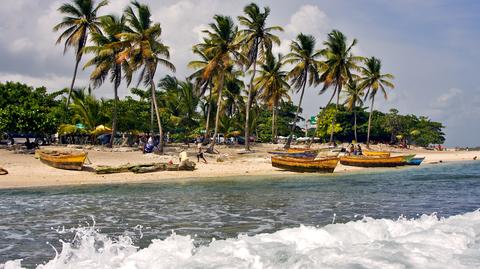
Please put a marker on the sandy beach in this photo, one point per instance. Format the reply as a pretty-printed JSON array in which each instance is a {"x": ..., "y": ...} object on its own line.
[{"x": 27, "y": 171}]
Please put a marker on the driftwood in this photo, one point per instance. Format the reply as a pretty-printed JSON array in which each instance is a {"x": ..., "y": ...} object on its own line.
[
  {"x": 145, "y": 168},
  {"x": 3, "y": 171}
]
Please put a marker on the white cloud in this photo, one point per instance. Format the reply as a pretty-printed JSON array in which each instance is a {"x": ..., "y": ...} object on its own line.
[{"x": 308, "y": 19}]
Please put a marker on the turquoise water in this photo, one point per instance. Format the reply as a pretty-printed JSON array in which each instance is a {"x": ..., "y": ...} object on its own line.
[{"x": 228, "y": 208}]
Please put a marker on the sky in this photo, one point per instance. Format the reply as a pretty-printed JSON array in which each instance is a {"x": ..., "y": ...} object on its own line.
[{"x": 430, "y": 46}]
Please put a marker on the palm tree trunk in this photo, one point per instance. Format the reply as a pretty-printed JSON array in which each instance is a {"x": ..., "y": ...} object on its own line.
[
  {"x": 273, "y": 124},
  {"x": 73, "y": 81},
  {"x": 249, "y": 101},
  {"x": 209, "y": 110},
  {"x": 335, "y": 116},
  {"x": 217, "y": 116},
  {"x": 370, "y": 121},
  {"x": 355, "y": 125},
  {"x": 294, "y": 124},
  {"x": 159, "y": 122},
  {"x": 82, "y": 42},
  {"x": 151, "y": 113},
  {"x": 321, "y": 116},
  {"x": 116, "y": 84},
  {"x": 114, "y": 117}
]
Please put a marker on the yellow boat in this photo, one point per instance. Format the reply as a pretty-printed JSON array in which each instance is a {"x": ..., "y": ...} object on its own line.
[
  {"x": 369, "y": 161},
  {"x": 323, "y": 165},
  {"x": 376, "y": 153},
  {"x": 70, "y": 160}
]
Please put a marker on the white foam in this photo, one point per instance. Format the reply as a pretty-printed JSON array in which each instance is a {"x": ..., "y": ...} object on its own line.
[{"x": 426, "y": 242}]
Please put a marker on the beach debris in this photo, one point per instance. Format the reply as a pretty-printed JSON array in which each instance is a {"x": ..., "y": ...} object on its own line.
[
  {"x": 145, "y": 168},
  {"x": 3, "y": 171},
  {"x": 475, "y": 158}
]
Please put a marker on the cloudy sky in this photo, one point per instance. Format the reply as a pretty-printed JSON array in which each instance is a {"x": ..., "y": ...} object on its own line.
[{"x": 431, "y": 46}]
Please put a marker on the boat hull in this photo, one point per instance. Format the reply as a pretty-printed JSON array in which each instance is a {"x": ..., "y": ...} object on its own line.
[
  {"x": 416, "y": 161},
  {"x": 365, "y": 161},
  {"x": 376, "y": 153},
  {"x": 308, "y": 155},
  {"x": 325, "y": 165},
  {"x": 63, "y": 160}
]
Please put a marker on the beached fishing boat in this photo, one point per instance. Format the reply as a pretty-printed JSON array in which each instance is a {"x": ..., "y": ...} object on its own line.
[
  {"x": 70, "y": 160},
  {"x": 415, "y": 161},
  {"x": 376, "y": 153},
  {"x": 323, "y": 165},
  {"x": 369, "y": 161},
  {"x": 309, "y": 154}
]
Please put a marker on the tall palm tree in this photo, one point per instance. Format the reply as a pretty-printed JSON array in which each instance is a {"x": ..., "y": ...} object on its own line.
[
  {"x": 305, "y": 59},
  {"x": 353, "y": 101},
  {"x": 373, "y": 80},
  {"x": 273, "y": 86},
  {"x": 145, "y": 51},
  {"x": 337, "y": 68},
  {"x": 222, "y": 44},
  {"x": 80, "y": 20},
  {"x": 203, "y": 83},
  {"x": 106, "y": 51},
  {"x": 257, "y": 41}
]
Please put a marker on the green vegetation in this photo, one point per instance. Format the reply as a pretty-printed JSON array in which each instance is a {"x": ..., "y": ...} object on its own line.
[
  {"x": 24, "y": 109},
  {"x": 235, "y": 77}
]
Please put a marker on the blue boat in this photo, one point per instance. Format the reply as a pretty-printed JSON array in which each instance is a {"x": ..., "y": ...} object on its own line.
[{"x": 416, "y": 161}]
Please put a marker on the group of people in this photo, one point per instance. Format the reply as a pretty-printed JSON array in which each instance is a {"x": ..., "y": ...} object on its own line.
[{"x": 354, "y": 150}]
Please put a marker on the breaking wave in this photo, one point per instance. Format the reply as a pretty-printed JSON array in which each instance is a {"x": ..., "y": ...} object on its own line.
[{"x": 424, "y": 242}]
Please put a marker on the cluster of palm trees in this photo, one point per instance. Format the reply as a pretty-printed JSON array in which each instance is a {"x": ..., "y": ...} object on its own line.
[
  {"x": 121, "y": 46},
  {"x": 131, "y": 43}
]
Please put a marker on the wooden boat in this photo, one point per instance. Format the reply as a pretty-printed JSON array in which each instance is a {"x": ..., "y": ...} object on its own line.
[
  {"x": 415, "y": 161},
  {"x": 368, "y": 161},
  {"x": 323, "y": 165},
  {"x": 300, "y": 154},
  {"x": 70, "y": 160},
  {"x": 376, "y": 153}
]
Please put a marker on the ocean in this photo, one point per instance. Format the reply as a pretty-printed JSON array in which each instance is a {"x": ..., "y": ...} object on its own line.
[{"x": 421, "y": 217}]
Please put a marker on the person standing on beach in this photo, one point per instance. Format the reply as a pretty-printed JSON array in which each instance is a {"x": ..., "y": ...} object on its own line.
[{"x": 200, "y": 152}]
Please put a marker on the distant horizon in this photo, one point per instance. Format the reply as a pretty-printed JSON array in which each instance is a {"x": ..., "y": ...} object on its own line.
[{"x": 433, "y": 56}]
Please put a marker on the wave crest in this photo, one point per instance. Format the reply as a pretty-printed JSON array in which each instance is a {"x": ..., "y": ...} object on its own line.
[{"x": 426, "y": 242}]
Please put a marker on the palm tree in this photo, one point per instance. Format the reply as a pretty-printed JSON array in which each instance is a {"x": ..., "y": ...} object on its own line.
[
  {"x": 222, "y": 44},
  {"x": 86, "y": 108},
  {"x": 107, "y": 49},
  {"x": 337, "y": 68},
  {"x": 353, "y": 101},
  {"x": 372, "y": 80},
  {"x": 203, "y": 83},
  {"x": 80, "y": 20},
  {"x": 145, "y": 51},
  {"x": 257, "y": 41},
  {"x": 273, "y": 86},
  {"x": 180, "y": 100},
  {"x": 305, "y": 58}
]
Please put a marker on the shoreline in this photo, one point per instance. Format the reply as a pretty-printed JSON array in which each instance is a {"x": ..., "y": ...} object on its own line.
[{"x": 27, "y": 172}]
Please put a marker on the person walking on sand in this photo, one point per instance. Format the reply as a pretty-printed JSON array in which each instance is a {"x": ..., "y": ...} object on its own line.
[
  {"x": 359, "y": 150},
  {"x": 200, "y": 152}
]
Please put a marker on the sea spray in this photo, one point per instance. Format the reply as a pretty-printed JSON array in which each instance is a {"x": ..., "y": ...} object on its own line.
[{"x": 425, "y": 242}]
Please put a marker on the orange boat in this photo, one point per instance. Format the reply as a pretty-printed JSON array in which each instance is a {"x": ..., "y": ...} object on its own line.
[
  {"x": 376, "y": 153},
  {"x": 323, "y": 165}
]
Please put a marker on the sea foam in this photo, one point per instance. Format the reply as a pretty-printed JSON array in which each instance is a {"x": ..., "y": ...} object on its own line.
[{"x": 425, "y": 242}]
